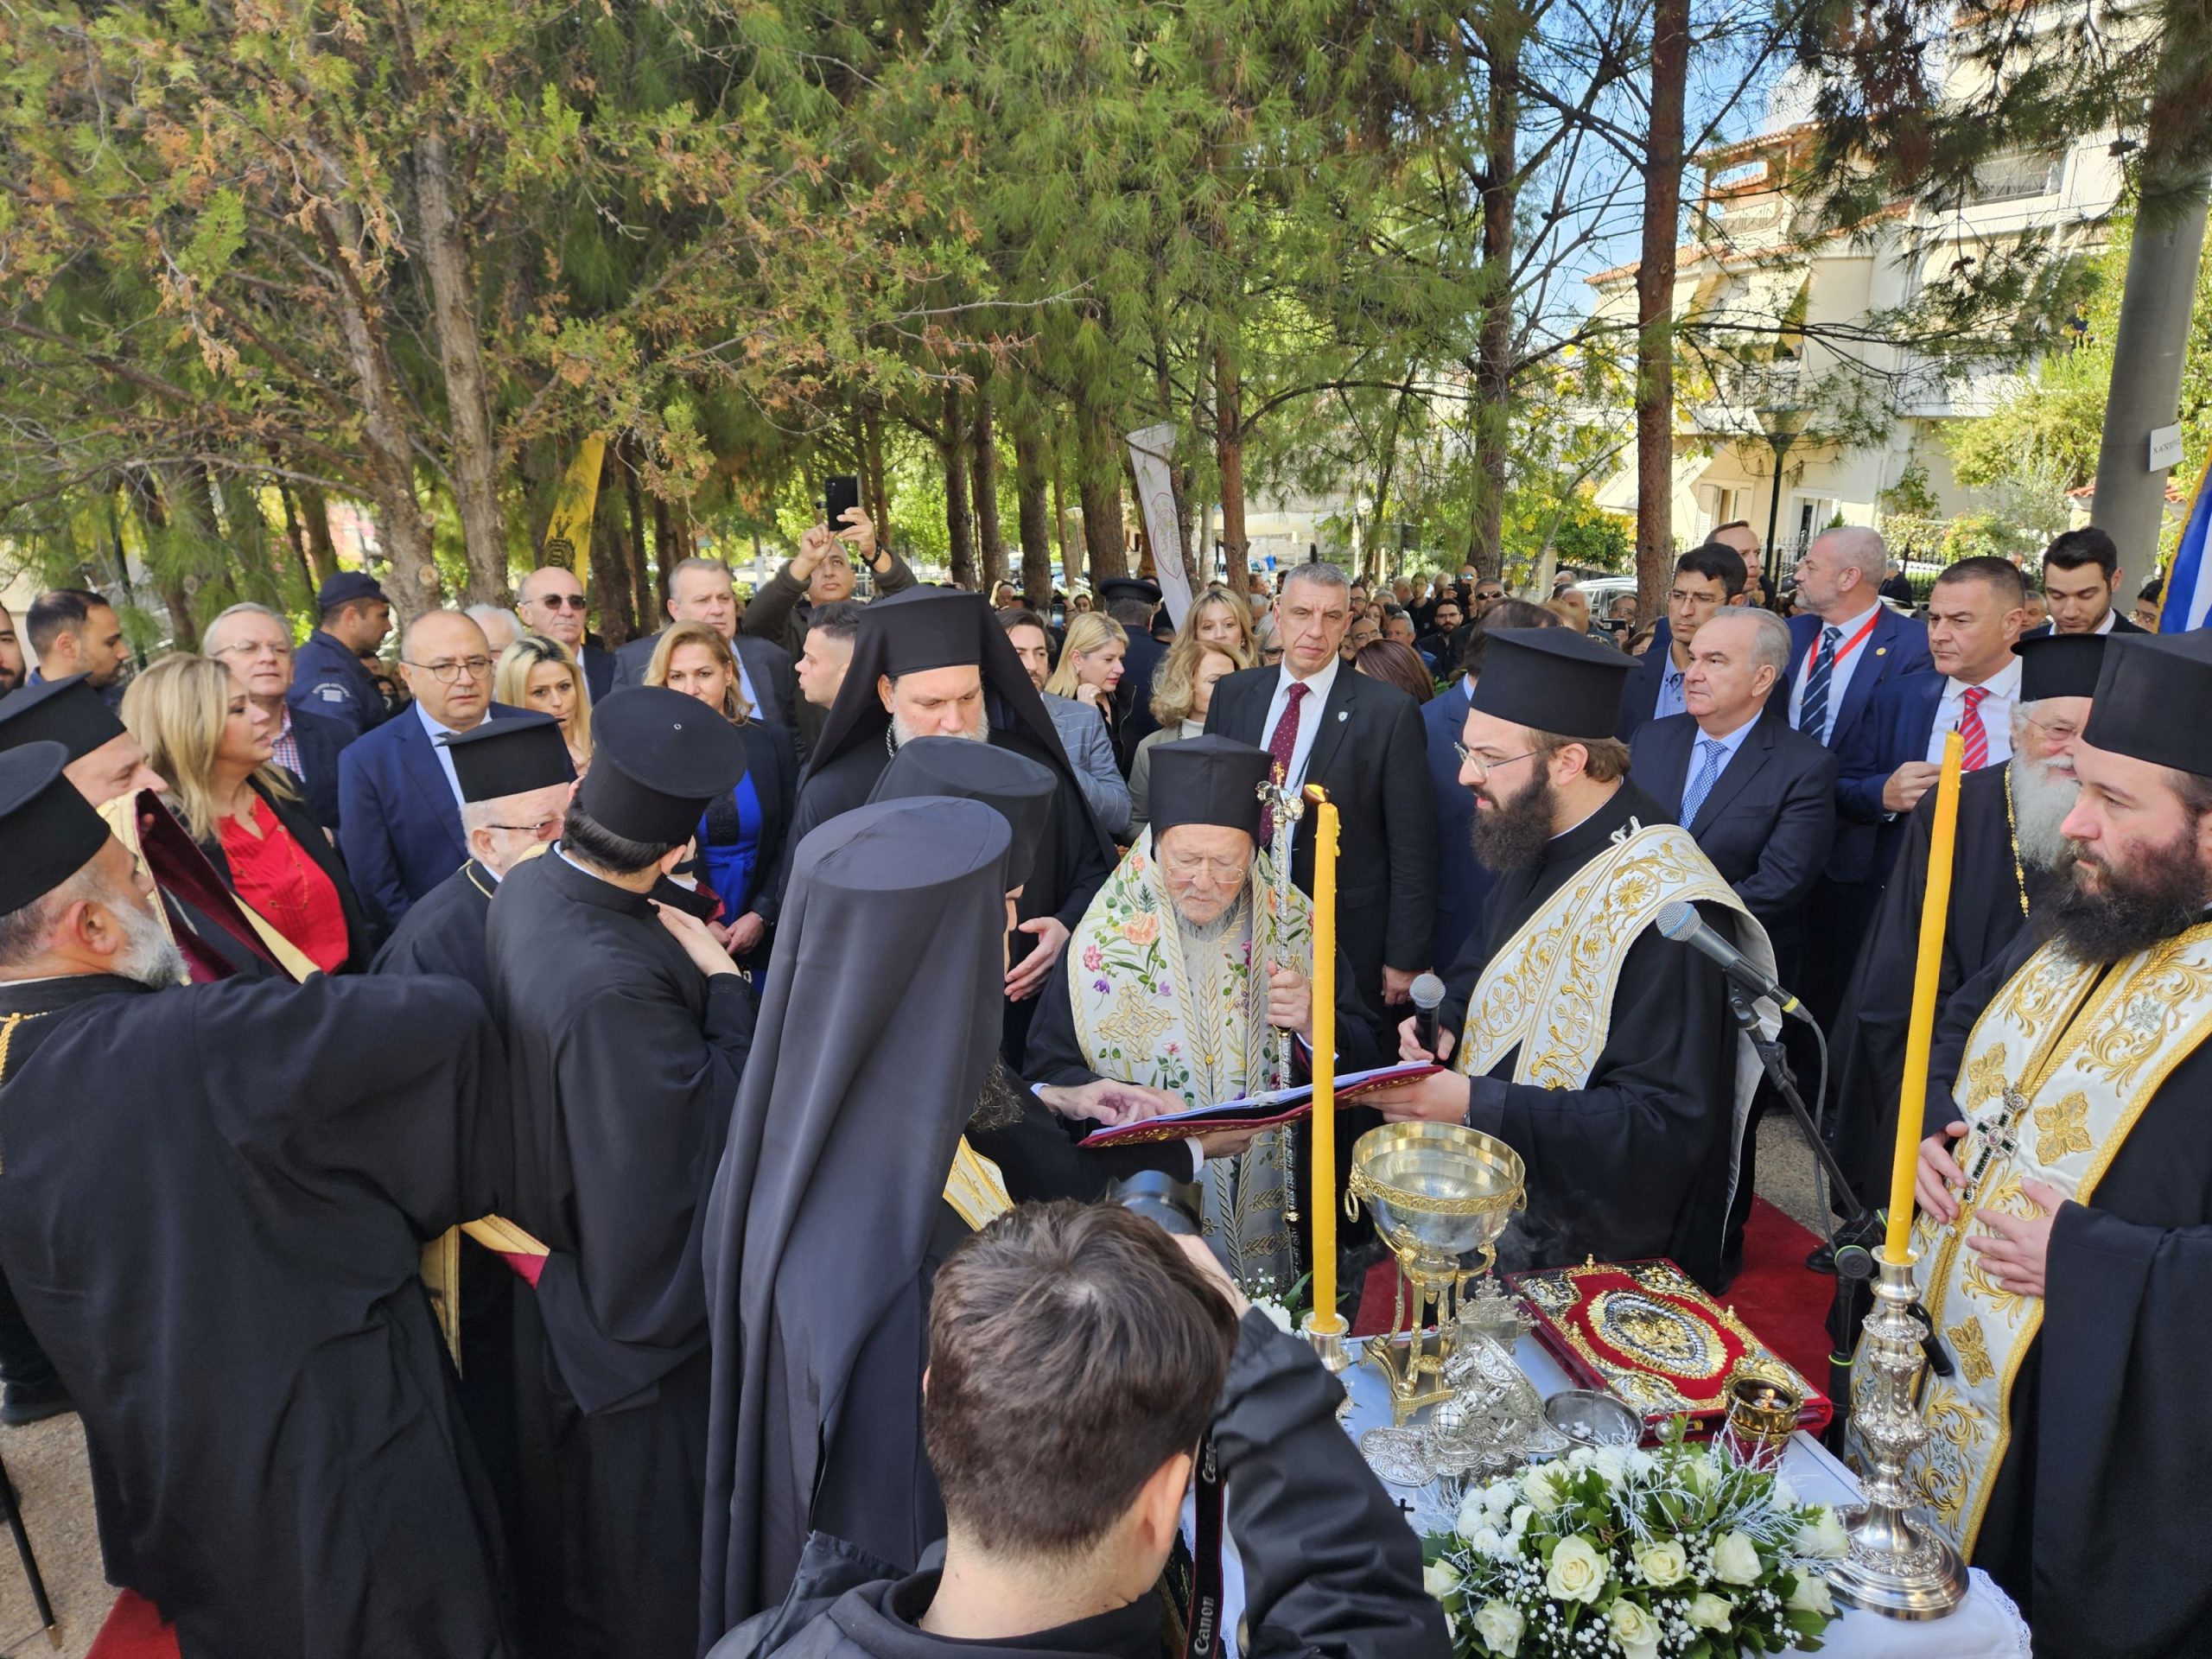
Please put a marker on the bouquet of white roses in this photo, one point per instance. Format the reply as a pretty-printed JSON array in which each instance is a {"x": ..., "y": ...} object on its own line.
[{"x": 1682, "y": 1551}]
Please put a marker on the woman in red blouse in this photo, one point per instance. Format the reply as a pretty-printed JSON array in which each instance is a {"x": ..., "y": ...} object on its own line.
[{"x": 212, "y": 743}]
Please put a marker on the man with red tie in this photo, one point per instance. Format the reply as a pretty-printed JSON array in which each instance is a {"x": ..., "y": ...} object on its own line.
[{"x": 1892, "y": 758}]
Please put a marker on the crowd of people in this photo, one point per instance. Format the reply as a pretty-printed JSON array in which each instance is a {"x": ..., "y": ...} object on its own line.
[{"x": 585, "y": 1152}]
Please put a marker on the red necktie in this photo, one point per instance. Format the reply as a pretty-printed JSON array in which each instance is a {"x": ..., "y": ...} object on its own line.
[
  {"x": 1971, "y": 728},
  {"x": 1284, "y": 743}
]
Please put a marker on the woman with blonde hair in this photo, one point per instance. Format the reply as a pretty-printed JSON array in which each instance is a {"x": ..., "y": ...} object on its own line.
[
  {"x": 741, "y": 835},
  {"x": 210, "y": 743},
  {"x": 1219, "y": 617},
  {"x": 1182, "y": 692},
  {"x": 1090, "y": 667},
  {"x": 539, "y": 674}
]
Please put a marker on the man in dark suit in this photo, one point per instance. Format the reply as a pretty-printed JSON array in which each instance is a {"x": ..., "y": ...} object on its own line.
[
  {"x": 1708, "y": 580},
  {"x": 398, "y": 798},
  {"x": 550, "y": 601},
  {"x": 2080, "y": 580},
  {"x": 1892, "y": 757},
  {"x": 1758, "y": 797},
  {"x": 700, "y": 590},
  {"x": 1896, "y": 587},
  {"x": 256, "y": 644},
  {"x": 1361, "y": 739}
]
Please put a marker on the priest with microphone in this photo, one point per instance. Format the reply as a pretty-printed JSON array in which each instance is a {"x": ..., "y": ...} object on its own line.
[{"x": 1602, "y": 1051}]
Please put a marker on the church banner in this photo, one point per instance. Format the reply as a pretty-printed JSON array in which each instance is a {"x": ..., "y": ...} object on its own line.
[
  {"x": 568, "y": 533},
  {"x": 1151, "y": 449}
]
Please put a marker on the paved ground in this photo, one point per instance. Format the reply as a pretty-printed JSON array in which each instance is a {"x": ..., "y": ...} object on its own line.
[{"x": 46, "y": 1462}]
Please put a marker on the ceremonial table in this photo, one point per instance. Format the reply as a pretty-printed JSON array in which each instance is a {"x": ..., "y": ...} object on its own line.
[{"x": 1986, "y": 1626}]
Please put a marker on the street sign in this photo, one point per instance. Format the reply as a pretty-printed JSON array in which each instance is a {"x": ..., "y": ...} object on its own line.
[{"x": 2166, "y": 448}]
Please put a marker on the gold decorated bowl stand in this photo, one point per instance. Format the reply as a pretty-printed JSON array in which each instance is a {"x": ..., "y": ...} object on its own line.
[{"x": 1438, "y": 1193}]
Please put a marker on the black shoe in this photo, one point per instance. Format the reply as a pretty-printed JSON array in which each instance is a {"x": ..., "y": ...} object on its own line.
[
  {"x": 1821, "y": 1259},
  {"x": 20, "y": 1404}
]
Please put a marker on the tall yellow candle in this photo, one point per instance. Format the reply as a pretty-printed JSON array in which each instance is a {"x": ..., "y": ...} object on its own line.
[
  {"x": 1326, "y": 1319},
  {"x": 1934, "y": 908}
]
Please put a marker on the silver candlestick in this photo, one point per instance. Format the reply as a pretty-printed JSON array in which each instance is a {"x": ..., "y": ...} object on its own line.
[
  {"x": 1898, "y": 1566},
  {"x": 1285, "y": 807}
]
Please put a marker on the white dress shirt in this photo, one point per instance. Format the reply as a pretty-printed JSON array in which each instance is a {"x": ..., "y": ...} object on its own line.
[
  {"x": 1839, "y": 676},
  {"x": 1309, "y": 716},
  {"x": 444, "y": 755},
  {"x": 2003, "y": 689}
]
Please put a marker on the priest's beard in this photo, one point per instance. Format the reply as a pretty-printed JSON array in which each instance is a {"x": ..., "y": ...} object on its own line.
[
  {"x": 1511, "y": 834},
  {"x": 2042, "y": 797},
  {"x": 2132, "y": 910},
  {"x": 902, "y": 733},
  {"x": 148, "y": 957},
  {"x": 998, "y": 1106}
]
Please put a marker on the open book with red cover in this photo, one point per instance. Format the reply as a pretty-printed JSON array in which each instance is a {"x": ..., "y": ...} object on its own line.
[{"x": 1254, "y": 1111}]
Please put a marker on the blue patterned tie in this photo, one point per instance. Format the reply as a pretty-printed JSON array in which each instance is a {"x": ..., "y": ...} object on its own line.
[
  {"x": 1708, "y": 774},
  {"x": 1813, "y": 710}
]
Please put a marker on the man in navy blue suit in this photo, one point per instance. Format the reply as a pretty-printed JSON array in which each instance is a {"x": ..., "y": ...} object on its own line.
[
  {"x": 1708, "y": 579},
  {"x": 1892, "y": 758},
  {"x": 1758, "y": 797},
  {"x": 398, "y": 796}
]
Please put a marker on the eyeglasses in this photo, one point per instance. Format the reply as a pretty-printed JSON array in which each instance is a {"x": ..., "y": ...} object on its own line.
[
  {"x": 543, "y": 829},
  {"x": 249, "y": 650},
  {"x": 1483, "y": 763},
  {"x": 1221, "y": 870},
  {"x": 451, "y": 672},
  {"x": 2065, "y": 732},
  {"x": 1678, "y": 596},
  {"x": 559, "y": 601}
]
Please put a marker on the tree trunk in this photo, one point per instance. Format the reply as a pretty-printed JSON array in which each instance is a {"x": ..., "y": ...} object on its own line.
[
  {"x": 634, "y": 497},
  {"x": 1491, "y": 420},
  {"x": 983, "y": 476},
  {"x": 1229, "y": 457},
  {"x": 1655, "y": 307},
  {"x": 296, "y": 536},
  {"x": 1032, "y": 494},
  {"x": 1098, "y": 481},
  {"x": 951, "y": 446},
  {"x": 461, "y": 358},
  {"x": 315, "y": 514},
  {"x": 156, "y": 525},
  {"x": 1069, "y": 565}
]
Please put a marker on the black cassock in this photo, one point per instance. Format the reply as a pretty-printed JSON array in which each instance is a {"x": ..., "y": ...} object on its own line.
[
  {"x": 625, "y": 1061},
  {"x": 442, "y": 931},
  {"x": 2100, "y": 1523},
  {"x": 1989, "y": 908},
  {"x": 213, "y": 1211},
  {"x": 1040, "y": 1157},
  {"x": 1637, "y": 1164}
]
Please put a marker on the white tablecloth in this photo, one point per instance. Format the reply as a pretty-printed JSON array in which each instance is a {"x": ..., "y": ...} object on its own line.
[{"x": 1985, "y": 1626}]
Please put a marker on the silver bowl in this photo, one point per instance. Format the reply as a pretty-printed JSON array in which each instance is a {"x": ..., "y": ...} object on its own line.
[
  {"x": 1438, "y": 1190},
  {"x": 1589, "y": 1418}
]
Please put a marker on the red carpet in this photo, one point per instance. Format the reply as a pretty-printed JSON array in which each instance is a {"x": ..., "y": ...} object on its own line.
[
  {"x": 1786, "y": 1306},
  {"x": 134, "y": 1631}
]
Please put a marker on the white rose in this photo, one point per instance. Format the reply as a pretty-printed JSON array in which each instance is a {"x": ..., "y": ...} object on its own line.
[
  {"x": 1736, "y": 1559},
  {"x": 1822, "y": 1537},
  {"x": 1578, "y": 1570},
  {"x": 1440, "y": 1578},
  {"x": 1811, "y": 1595},
  {"x": 1498, "y": 1627},
  {"x": 1663, "y": 1564},
  {"x": 1710, "y": 1613},
  {"x": 1635, "y": 1629},
  {"x": 1580, "y": 1459},
  {"x": 1541, "y": 1489},
  {"x": 1611, "y": 1462},
  {"x": 1699, "y": 1474},
  {"x": 1518, "y": 1522}
]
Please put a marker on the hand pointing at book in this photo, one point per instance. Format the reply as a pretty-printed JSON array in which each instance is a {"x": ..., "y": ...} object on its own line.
[{"x": 1107, "y": 1102}]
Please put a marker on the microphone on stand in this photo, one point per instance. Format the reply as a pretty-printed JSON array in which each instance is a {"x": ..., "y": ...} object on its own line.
[
  {"x": 1680, "y": 922},
  {"x": 1428, "y": 993}
]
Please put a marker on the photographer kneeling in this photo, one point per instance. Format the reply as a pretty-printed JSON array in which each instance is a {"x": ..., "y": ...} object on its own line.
[{"x": 1078, "y": 1357}]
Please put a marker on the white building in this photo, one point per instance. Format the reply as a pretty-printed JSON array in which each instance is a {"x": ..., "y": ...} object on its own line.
[{"x": 1760, "y": 282}]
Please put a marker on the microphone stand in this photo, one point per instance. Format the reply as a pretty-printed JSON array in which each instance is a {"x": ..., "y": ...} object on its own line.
[{"x": 1851, "y": 1239}]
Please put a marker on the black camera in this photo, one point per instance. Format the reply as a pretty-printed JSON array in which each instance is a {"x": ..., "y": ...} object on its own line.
[{"x": 1171, "y": 1205}]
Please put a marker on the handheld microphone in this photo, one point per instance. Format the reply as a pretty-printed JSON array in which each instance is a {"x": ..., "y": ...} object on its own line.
[
  {"x": 1428, "y": 993},
  {"x": 1680, "y": 922}
]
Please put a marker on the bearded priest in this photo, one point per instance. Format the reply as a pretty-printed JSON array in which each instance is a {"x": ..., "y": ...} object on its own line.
[
  {"x": 1177, "y": 989},
  {"x": 2011, "y": 858},
  {"x": 1602, "y": 1052},
  {"x": 2066, "y": 1246}
]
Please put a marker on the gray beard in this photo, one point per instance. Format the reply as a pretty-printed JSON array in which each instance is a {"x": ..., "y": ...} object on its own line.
[
  {"x": 150, "y": 958},
  {"x": 901, "y": 733},
  {"x": 2041, "y": 800}
]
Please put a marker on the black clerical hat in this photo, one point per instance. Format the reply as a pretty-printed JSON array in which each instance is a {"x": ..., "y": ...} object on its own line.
[
  {"x": 2061, "y": 665},
  {"x": 510, "y": 756},
  {"x": 924, "y": 628},
  {"x": 47, "y": 833},
  {"x": 1120, "y": 587},
  {"x": 1208, "y": 780},
  {"x": 2149, "y": 700},
  {"x": 1017, "y": 786},
  {"x": 68, "y": 712},
  {"x": 658, "y": 758},
  {"x": 1551, "y": 680}
]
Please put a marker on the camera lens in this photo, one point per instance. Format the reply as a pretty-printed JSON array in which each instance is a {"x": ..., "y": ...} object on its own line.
[{"x": 1171, "y": 1205}]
